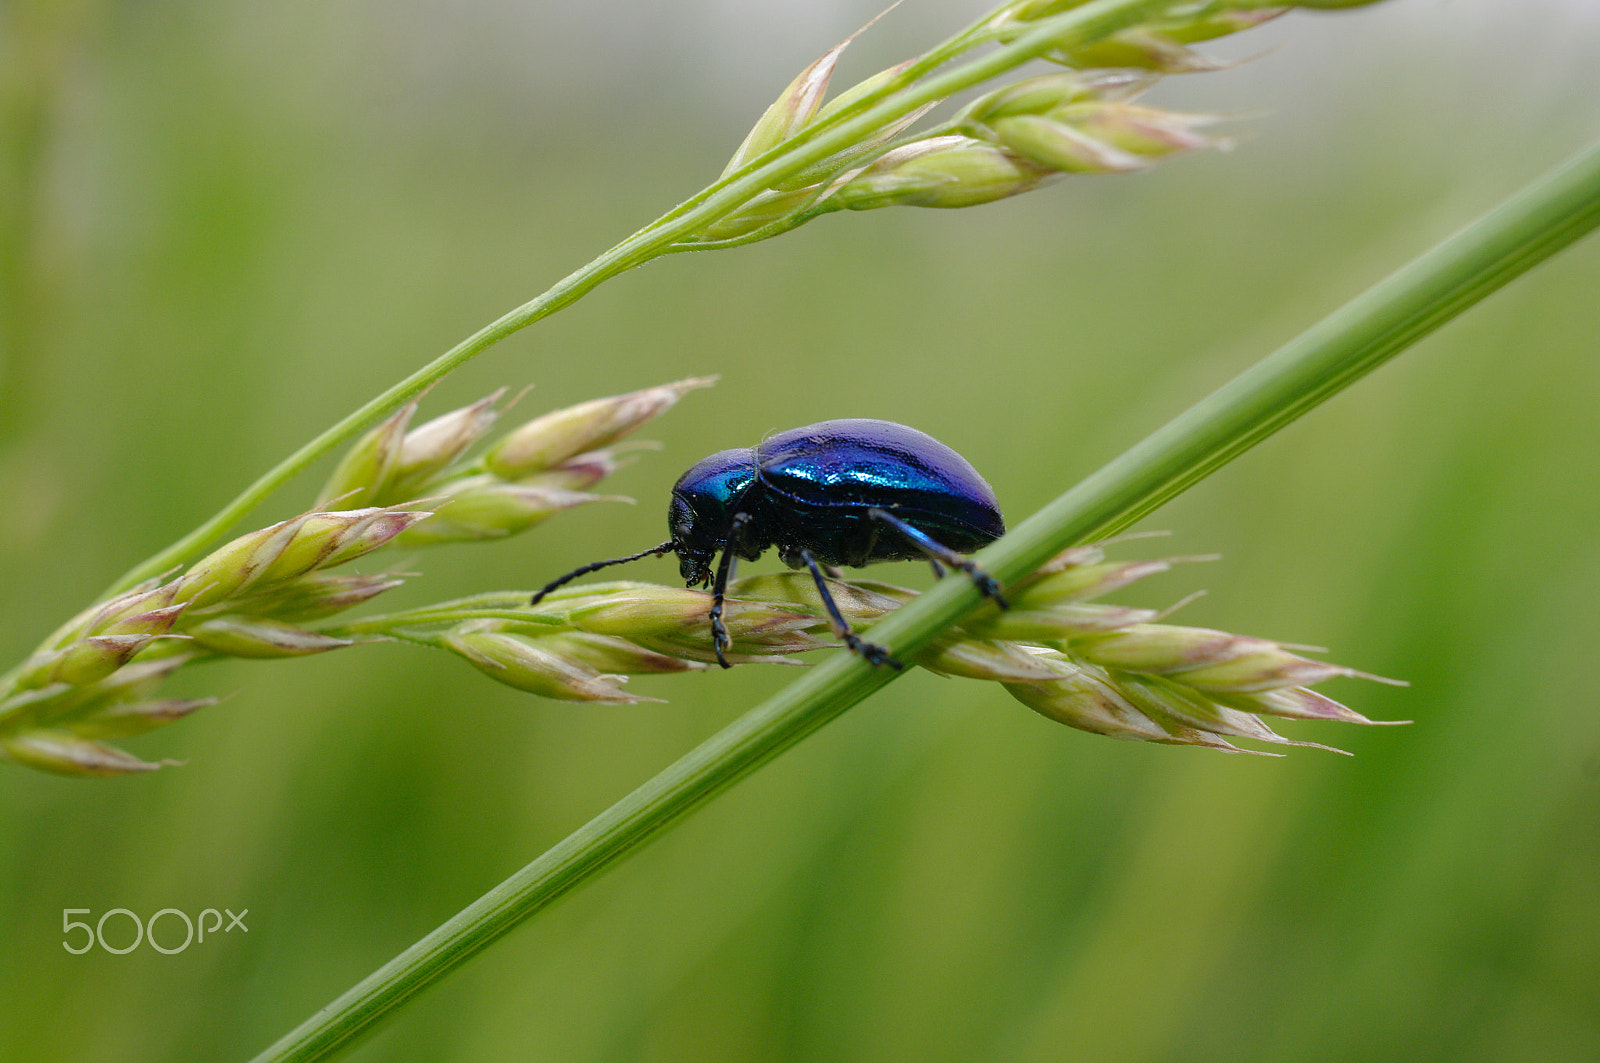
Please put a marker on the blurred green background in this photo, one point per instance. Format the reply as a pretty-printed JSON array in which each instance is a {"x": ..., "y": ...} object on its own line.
[{"x": 226, "y": 224}]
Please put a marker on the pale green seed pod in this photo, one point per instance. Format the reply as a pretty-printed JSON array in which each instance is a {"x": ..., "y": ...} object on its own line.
[
  {"x": 1056, "y": 621},
  {"x": 483, "y": 508},
  {"x": 1063, "y": 147},
  {"x": 994, "y": 661},
  {"x": 125, "y": 719},
  {"x": 233, "y": 567},
  {"x": 769, "y": 646},
  {"x": 86, "y": 661},
  {"x": 548, "y": 441},
  {"x": 314, "y": 596},
  {"x": 942, "y": 172},
  {"x": 288, "y": 550},
  {"x": 139, "y": 609},
  {"x": 431, "y": 448},
  {"x": 1078, "y": 576},
  {"x": 324, "y": 540},
  {"x": 65, "y": 753},
  {"x": 1088, "y": 701},
  {"x": 634, "y": 610},
  {"x": 1164, "y": 699},
  {"x": 366, "y": 468},
  {"x": 116, "y": 637},
  {"x": 578, "y": 473},
  {"x": 253, "y": 637},
  {"x": 856, "y": 599},
  {"x": 1040, "y": 95},
  {"x": 813, "y": 177},
  {"x": 1143, "y": 48},
  {"x": 790, "y": 112},
  {"x": 1298, "y": 703},
  {"x": 1214, "y": 662},
  {"x": 537, "y": 665},
  {"x": 63, "y": 705},
  {"x": 1149, "y": 132}
]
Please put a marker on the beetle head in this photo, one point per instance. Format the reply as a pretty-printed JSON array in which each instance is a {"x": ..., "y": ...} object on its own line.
[{"x": 701, "y": 514}]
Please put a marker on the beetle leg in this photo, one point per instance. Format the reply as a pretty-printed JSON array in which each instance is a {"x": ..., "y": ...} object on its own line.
[
  {"x": 871, "y": 651},
  {"x": 719, "y": 590},
  {"x": 937, "y": 552},
  {"x": 938, "y": 569}
]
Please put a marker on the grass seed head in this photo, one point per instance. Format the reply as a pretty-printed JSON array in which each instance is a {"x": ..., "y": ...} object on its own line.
[
  {"x": 482, "y": 508},
  {"x": 431, "y": 448},
  {"x": 548, "y": 441},
  {"x": 366, "y": 468},
  {"x": 947, "y": 172}
]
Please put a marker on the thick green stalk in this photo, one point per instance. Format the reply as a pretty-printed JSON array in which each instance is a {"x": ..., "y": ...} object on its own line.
[
  {"x": 1327, "y": 358},
  {"x": 1089, "y": 23}
]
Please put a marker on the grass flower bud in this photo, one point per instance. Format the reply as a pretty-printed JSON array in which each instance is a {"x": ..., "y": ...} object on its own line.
[
  {"x": 992, "y": 660},
  {"x": 1202, "y": 658},
  {"x": 290, "y": 549},
  {"x": 856, "y": 599},
  {"x": 1154, "y": 44},
  {"x": 1062, "y": 147},
  {"x": 1166, "y": 701},
  {"x": 634, "y": 609},
  {"x": 577, "y": 473},
  {"x": 1087, "y": 700},
  {"x": 543, "y": 665},
  {"x": 329, "y": 539},
  {"x": 486, "y": 508},
  {"x": 547, "y": 441},
  {"x": 676, "y": 621},
  {"x": 143, "y": 605},
  {"x": 366, "y": 468},
  {"x": 1298, "y": 703},
  {"x": 85, "y": 661},
  {"x": 607, "y": 653},
  {"x": 1142, "y": 48},
  {"x": 246, "y": 636},
  {"x": 133, "y": 682},
  {"x": 1100, "y": 137},
  {"x": 1082, "y": 576},
  {"x": 125, "y": 719},
  {"x": 65, "y": 753},
  {"x": 54, "y": 727},
  {"x": 315, "y": 596},
  {"x": 431, "y": 448},
  {"x": 115, "y": 639},
  {"x": 944, "y": 171},
  {"x": 1040, "y": 95},
  {"x": 1148, "y": 132},
  {"x": 758, "y": 630},
  {"x": 232, "y": 568},
  {"x": 790, "y": 112},
  {"x": 1057, "y": 620}
]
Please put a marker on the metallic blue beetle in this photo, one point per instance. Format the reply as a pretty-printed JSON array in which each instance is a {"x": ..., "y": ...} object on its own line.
[{"x": 846, "y": 492}]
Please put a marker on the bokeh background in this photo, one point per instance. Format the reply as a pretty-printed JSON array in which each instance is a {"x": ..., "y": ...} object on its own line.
[{"x": 227, "y": 223}]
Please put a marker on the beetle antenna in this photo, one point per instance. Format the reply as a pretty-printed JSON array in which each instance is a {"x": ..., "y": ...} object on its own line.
[{"x": 654, "y": 551}]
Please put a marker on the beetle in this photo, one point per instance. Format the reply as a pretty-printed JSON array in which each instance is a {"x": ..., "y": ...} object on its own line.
[{"x": 846, "y": 492}]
